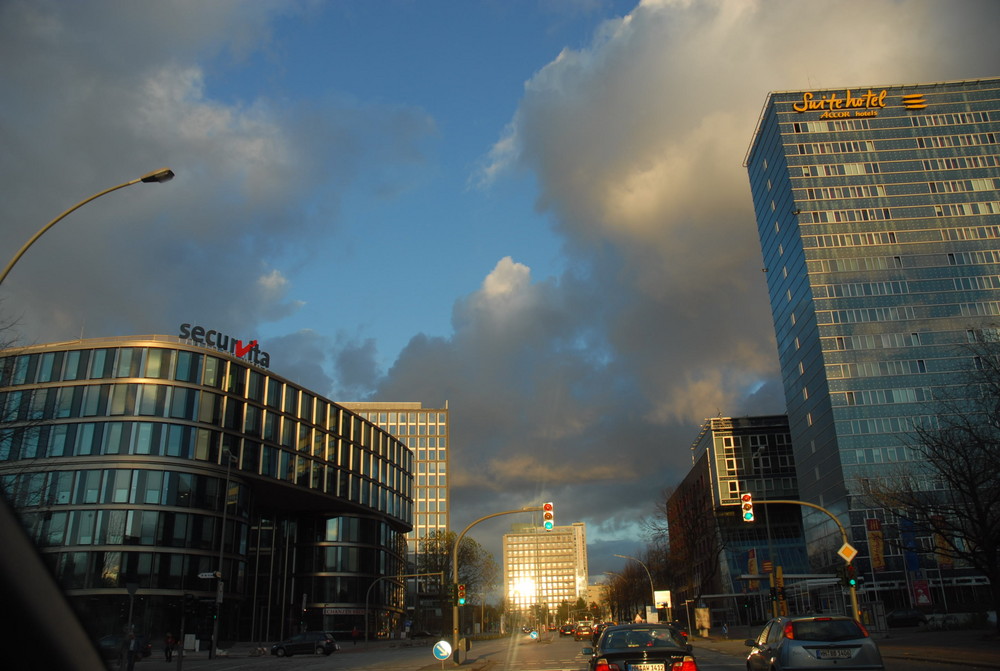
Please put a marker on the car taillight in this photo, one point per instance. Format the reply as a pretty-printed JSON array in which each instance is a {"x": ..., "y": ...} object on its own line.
[
  {"x": 603, "y": 665},
  {"x": 686, "y": 664},
  {"x": 788, "y": 631}
]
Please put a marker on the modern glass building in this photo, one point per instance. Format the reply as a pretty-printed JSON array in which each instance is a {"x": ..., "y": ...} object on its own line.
[
  {"x": 545, "y": 568},
  {"x": 426, "y": 432},
  {"x": 141, "y": 465},
  {"x": 878, "y": 210}
]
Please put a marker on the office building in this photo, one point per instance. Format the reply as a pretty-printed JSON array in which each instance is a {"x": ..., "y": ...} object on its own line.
[
  {"x": 878, "y": 212},
  {"x": 426, "y": 432},
  {"x": 545, "y": 568},
  {"x": 709, "y": 539},
  {"x": 141, "y": 466}
]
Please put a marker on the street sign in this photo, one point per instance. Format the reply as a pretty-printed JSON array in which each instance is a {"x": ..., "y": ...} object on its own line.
[
  {"x": 847, "y": 552},
  {"x": 210, "y": 574},
  {"x": 442, "y": 650}
]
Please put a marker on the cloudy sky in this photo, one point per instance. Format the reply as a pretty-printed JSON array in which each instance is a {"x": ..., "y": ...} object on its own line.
[{"x": 533, "y": 210}]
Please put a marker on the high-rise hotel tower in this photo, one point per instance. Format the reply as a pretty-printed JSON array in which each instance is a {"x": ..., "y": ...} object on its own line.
[{"x": 878, "y": 209}]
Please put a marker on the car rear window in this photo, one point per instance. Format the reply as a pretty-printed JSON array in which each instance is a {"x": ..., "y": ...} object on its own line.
[
  {"x": 641, "y": 638},
  {"x": 826, "y": 630}
]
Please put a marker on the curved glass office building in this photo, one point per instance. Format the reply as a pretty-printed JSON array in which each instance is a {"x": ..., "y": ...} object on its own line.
[{"x": 144, "y": 466}]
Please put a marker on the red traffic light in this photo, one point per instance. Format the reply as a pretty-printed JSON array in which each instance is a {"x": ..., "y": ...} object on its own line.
[
  {"x": 548, "y": 516},
  {"x": 747, "y": 506}
]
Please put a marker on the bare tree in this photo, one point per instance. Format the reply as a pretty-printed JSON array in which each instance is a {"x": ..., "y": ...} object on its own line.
[
  {"x": 695, "y": 545},
  {"x": 950, "y": 489},
  {"x": 477, "y": 569}
]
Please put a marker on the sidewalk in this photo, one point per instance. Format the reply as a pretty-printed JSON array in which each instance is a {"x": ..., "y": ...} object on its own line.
[{"x": 965, "y": 647}]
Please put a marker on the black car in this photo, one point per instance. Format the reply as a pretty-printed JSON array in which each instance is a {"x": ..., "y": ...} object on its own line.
[
  {"x": 583, "y": 630},
  {"x": 567, "y": 629},
  {"x": 649, "y": 645},
  {"x": 112, "y": 646},
  {"x": 309, "y": 642}
]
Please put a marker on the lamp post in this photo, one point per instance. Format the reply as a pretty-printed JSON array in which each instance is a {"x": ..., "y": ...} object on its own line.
[
  {"x": 652, "y": 592},
  {"x": 157, "y": 176},
  {"x": 213, "y": 651}
]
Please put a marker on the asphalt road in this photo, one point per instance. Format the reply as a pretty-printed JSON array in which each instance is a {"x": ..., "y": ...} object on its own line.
[{"x": 903, "y": 650}]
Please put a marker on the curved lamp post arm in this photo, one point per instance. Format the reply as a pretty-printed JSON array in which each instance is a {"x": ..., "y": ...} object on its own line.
[
  {"x": 652, "y": 590},
  {"x": 162, "y": 175}
]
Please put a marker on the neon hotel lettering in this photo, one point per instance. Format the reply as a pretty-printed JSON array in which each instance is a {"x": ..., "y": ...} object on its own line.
[
  {"x": 866, "y": 104},
  {"x": 220, "y": 341}
]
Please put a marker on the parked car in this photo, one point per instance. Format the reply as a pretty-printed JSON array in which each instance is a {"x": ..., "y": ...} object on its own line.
[
  {"x": 567, "y": 629},
  {"x": 905, "y": 617},
  {"x": 629, "y": 646},
  {"x": 814, "y": 642},
  {"x": 112, "y": 646},
  {"x": 583, "y": 631},
  {"x": 317, "y": 642}
]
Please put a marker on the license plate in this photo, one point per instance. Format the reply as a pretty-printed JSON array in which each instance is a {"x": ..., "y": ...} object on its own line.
[
  {"x": 646, "y": 666},
  {"x": 836, "y": 653}
]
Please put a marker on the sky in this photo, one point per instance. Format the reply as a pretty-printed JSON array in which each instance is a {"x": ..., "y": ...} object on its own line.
[{"x": 534, "y": 211}]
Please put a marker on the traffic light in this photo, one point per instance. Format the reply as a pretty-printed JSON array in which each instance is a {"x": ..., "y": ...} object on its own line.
[
  {"x": 850, "y": 576},
  {"x": 213, "y": 609},
  {"x": 548, "y": 516},
  {"x": 461, "y": 595},
  {"x": 190, "y": 604},
  {"x": 453, "y": 588},
  {"x": 746, "y": 504}
]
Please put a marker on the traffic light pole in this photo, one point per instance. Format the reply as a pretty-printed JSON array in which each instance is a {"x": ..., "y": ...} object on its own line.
[
  {"x": 855, "y": 612},
  {"x": 454, "y": 570}
]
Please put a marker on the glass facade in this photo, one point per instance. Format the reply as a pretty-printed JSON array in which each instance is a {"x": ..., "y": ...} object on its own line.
[
  {"x": 545, "y": 568},
  {"x": 878, "y": 211},
  {"x": 426, "y": 431},
  {"x": 149, "y": 461}
]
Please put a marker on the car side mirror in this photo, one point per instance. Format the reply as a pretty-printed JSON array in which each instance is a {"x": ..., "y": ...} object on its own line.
[
  {"x": 750, "y": 642},
  {"x": 688, "y": 648},
  {"x": 589, "y": 652}
]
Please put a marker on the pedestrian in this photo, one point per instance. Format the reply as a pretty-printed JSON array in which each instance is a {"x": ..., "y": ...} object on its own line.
[
  {"x": 131, "y": 651},
  {"x": 725, "y": 630},
  {"x": 355, "y": 635},
  {"x": 168, "y": 645}
]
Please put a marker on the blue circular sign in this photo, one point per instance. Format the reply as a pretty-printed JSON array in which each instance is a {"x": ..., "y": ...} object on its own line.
[
  {"x": 534, "y": 634},
  {"x": 442, "y": 650}
]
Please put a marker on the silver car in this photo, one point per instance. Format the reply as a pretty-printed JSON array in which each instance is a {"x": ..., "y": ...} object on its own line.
[{"x": 813, "y": 642}]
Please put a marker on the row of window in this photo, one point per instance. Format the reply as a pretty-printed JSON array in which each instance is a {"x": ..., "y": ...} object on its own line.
[
  {"x": 863, "y": 315},
  {"x": 133, "y": 527},
  {"x": 372, "y": 479},
  {"x": 189, "y": 367},
  {"x": 149, "y": 570},
  {"x": 169, "y": 402},
  {"x": 836, "y": 371},
  {"x": 32, "y": 489},
  {"x": 922, "y": 120},
  {"x": 893, "y": 425},
  {"x": 896, "y": 144},
  {"x": 882, "y": 396}
]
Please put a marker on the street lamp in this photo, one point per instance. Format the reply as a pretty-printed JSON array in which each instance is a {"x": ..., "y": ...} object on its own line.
[
  {"x": 158, "y": 176},
  {"x": 652, "y": 592},
  {"x": 214, "y": 650}
]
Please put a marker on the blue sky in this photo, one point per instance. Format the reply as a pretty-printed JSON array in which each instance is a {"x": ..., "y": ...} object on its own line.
[{"x": 533, "y": 210}]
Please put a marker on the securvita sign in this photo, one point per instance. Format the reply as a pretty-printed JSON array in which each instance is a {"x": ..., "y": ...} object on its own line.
[
  {"x": 850, "y": 104},
  {"x": 250, "y": 351}
]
